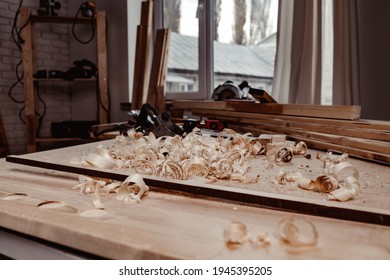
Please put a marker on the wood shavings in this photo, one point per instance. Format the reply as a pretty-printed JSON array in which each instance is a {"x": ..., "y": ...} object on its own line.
[
  {"x": 306, "y": 183},
  {"x": 235, "y": 234},
  {"x": 348, "y": 175},
  {"x": 300, "y": 148},
  {"x": 93, "y": 213},
  {"x": 14, "y": 196},
  {"x": 325, "y": 184},
  {"x": 297, "y": 232},
  {"x": 260, "y": 240},
  {"x": 342, "y": 194},
  {"x": 223, "y": 158},
  {"x": 57, "y": 205},
  {"x": 132, "y": 189},
  {"x": 330, "y": 159}
]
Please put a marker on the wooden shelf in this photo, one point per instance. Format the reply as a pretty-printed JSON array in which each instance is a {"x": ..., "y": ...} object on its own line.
[
  {"x": 52, "y": 139},
  {"x": 63, "y": 80},
  {"x": 27, "y": 20},
  {"x": 61, "y": 19}
]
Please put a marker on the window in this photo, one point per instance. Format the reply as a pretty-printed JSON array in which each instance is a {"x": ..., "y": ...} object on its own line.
[{"x": 205, "y": 51}]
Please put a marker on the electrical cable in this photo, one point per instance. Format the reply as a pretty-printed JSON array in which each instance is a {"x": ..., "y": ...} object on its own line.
[
  {"x": 18, "y": 40},
  {"x": 41, "y": 116},
  {"x": 74, "y": 24},
  {"x": 14, "y": 30}
]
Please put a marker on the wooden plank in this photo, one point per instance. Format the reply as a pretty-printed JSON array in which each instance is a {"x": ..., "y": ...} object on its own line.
[
  {"x": 138, "y": 82},
  {"x": 104, "y": 101},
  {"x": 313, "y": 124},
  {"x": 28, "y": 85},
  {"x": 237, "y": 195},
  {"x": 160, "y": 99},
  {"x": 318, "y": 111},
  {"x": 159, "y": 65},
  {"x": 305, "y": 110},
  {"x": 144, "y": 31}
]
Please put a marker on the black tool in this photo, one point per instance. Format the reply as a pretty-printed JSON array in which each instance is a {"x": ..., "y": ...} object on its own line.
[
  {"x": 149, "y": 120},
  {"x": 48, "y": 7},
  {"x": 88, "y": 9},
  {"x": 82, "y": 69}
]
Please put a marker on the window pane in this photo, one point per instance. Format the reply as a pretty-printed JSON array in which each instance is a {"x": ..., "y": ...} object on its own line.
[
  {"x": 245, "y": 42},
  {"x": 183, "y": 67}
]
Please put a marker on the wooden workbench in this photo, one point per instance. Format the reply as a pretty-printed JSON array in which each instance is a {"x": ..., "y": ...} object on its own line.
[{"x": 174, "y": 225}]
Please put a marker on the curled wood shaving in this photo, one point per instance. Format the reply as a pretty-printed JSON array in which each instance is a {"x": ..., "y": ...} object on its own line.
[
  {"x": 325, "y": 184},
  {"x": 297, "y": 232},
  {"x": 235, "y": 234},
  {"x": 306, "y": 183},
  {"x": 261, "y": 240},
  {"x": 132, "y": 189}
]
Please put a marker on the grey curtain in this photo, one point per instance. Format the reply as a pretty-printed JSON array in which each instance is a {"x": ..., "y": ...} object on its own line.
[
  {"x": 298, "y": 67},
  {"x": 346, "y": 63},
  {"x": 302, "y": 82}
]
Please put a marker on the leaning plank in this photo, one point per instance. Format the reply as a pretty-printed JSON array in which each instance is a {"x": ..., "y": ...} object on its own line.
[
  {"x": 318, "y": 111},
  {"x": 244, "y": 196},
  {"x": 159, "y": 65},
  {"x": 144, "y": 31}
]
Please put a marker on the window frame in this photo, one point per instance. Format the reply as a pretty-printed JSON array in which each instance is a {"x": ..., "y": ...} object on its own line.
[{"x": 205, "y": 49}]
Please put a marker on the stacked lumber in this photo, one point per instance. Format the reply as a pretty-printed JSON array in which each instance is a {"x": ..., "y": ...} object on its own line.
[{"x": 336, "y": 128}]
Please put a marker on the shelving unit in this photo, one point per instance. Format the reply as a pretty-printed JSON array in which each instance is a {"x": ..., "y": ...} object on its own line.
[{"x": 30, "y": 83}]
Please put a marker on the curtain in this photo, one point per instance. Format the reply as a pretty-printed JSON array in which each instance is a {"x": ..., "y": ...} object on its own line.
[
  {"x": 281, "y": 81},
  {"x": 298, "y": 57},
  {"x": 346, "y": 63},
  {"x": 299, "y": 70}
]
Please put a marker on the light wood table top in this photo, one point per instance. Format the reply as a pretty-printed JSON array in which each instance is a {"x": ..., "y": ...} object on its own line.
[{"x": 167, "y": 225}]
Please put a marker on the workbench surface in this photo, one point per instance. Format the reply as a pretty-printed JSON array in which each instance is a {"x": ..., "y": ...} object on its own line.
[{"x": 171, "y": 225}]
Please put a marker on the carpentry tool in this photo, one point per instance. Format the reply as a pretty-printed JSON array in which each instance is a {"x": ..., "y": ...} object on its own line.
[
  {"x": 243, "y": 91},
  {"x": 149, "y": 120},
  {"x": 145, "y": 120}
]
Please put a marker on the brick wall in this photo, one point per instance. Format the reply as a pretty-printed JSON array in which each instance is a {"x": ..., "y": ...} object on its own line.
[{"x": 52, "y": 52}]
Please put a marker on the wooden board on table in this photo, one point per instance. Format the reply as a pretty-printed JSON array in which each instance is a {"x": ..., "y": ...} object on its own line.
[
  {"x": 165, "y": 226},
  {"x": 304, "y": 110},
  {"x": 60, "y": 160}
]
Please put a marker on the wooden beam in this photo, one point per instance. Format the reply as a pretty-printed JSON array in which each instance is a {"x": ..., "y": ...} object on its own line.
[{"x": 304, "y": 110}]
